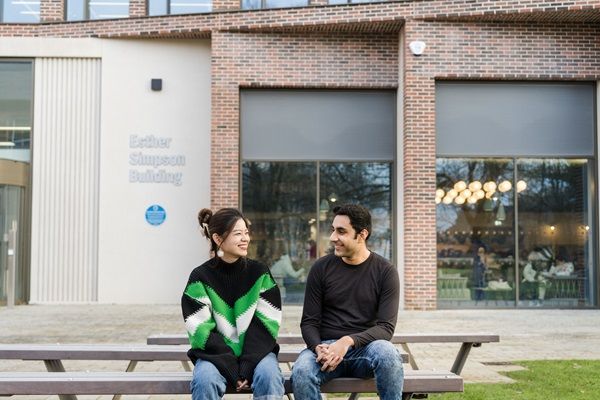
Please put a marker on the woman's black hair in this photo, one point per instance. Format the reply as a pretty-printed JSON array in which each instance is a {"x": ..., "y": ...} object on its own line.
[{"x": 221, "y": 223}]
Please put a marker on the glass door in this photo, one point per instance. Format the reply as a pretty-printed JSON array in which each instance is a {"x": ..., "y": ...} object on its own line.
[
  {"x": 16, "y": 105},
  {"x": 13, "y": 252}
]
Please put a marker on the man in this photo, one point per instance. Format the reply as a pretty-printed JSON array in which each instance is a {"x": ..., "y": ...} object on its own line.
[{"x": 350, "y": 312}]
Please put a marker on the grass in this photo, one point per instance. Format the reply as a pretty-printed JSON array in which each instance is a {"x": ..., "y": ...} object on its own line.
[{"x": 542, "y": 380}]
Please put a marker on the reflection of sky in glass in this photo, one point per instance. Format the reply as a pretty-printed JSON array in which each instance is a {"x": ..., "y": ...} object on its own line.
[
  {"x": 157, "y": 7},
  {"x": 16, "y": 82},
  {"x": 352, "y": 1},
  {"x": 21, "y": 11},
  {"x": 257, "y": 4},
  {"x": 190, "y": 6},
  {"x": 109, "y": 9},
  {"x": 285, "y": 3},
  {"x": 75, "y": 10}
]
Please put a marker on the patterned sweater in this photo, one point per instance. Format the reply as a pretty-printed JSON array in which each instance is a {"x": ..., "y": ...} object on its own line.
[{"x": 232, "y": 314}]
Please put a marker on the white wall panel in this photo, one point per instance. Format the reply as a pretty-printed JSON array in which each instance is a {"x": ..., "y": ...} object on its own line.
[
  {"x": 64, "y": 255},
  {"x": 139, "y": 262}
]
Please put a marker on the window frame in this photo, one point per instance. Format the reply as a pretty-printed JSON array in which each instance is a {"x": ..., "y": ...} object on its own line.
[{"x": 594, "y": 210}]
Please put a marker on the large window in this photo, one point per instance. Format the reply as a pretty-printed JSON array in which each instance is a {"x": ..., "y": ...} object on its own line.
[
  {"x": 516, "y": 193},
  {"x": 304, "y": 152},
  {"x": 170, "y": 7},
  {"x": 78, "y": 10},
  {"x": 484, "y": 204},
  {"x": 26, "y": 11},
  {"x": 290, "y": 207},
  {"x": 258, "y": 4}
]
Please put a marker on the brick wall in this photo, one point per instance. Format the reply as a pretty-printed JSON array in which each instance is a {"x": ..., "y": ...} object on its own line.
[
  {"x": 495, "y": 51},
  {"x": 374, "y": 17},
  {"x": 137, "y": 8},
  {"x": 52, "y": 10},
  {"x": 289, "y": 61}
]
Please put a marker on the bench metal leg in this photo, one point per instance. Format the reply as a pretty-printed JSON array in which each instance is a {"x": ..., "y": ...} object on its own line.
[
  {"x": 57, "y": 366},
  {"x": 353, "y": 396},
  {"x": 411, "y": 358},
  {"x": 186, "y": 366},
  {"x": 130, "y": 367},
  {"x": 461, "y": 358}
]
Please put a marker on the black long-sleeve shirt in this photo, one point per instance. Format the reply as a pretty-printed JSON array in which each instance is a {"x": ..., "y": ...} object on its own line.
[{"x": 360, "y": 301}]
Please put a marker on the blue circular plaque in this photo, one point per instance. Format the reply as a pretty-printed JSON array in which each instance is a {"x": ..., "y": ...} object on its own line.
[{"x": 155, "y": 215}]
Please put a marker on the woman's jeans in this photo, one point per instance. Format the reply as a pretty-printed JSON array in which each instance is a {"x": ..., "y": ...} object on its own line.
[
  {"x": 209, "y": 384},
  {"x": 379, "y": 359}
]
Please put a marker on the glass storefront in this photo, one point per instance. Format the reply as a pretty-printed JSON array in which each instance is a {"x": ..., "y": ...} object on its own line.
[
  {"x": 16, "y": 104},
  {"x": 290, "y": 204},
  {"x": 515, "y": 232}
]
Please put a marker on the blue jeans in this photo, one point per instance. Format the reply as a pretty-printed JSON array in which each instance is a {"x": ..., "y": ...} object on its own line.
[
  {"x": 379, "y": 359},
  {"x": 209, "y": 384}
]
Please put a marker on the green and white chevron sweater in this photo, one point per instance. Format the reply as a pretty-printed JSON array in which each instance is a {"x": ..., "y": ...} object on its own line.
[{"x": 232, "y": 314}]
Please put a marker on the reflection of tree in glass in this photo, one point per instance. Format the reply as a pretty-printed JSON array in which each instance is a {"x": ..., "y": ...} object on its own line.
[
  {"x": 279, "y": 200},
  {"x": 451, "y": 170},
  {"x": 368, "y": 184},
  {"x": 553, "y": 185}
]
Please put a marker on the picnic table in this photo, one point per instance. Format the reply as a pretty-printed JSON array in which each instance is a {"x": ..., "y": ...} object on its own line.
[
  {"x": 467, "y": 340},
  {"x": 68, "y": 384},
  {"x": 53, "y": 355}
]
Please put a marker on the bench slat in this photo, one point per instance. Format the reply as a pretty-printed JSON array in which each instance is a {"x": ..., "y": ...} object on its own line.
[
  {"x": 114, "y": 352},
  {"x": 175, "y": 339},
  {"x": 103, "y": 383}
]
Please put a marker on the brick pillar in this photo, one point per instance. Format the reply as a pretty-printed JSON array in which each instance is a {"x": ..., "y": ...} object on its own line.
[
  {"x": 419, "y": 179},
  {"x": 225, "y": 132},
  {"x": 52, "y": 10},
  {"x": 137, "y": 8}
]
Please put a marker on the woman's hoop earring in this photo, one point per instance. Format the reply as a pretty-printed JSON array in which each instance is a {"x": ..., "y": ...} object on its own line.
[{"x": 220, "y": 253}]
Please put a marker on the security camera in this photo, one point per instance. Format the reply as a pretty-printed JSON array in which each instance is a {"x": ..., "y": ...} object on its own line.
[{"x": 417, "y": 47}]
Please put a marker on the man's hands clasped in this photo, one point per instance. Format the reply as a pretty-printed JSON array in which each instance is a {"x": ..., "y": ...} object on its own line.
[
  {"x": 242, "y": 385},
  {"x": 331, "y": 355}
]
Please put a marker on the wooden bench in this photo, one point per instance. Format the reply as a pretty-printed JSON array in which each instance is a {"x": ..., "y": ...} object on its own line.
[
  {"x": 119, "y": 383},
  {"x": 468, "y": 341},
  {"x": 53, "y": 354}
]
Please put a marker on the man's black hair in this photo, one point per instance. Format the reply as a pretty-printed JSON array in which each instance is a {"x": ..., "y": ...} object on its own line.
[{"x": 360, "y": 217}]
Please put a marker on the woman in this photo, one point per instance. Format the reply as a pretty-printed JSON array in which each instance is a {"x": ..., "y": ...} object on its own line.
[{"x": 232, "y": 312}]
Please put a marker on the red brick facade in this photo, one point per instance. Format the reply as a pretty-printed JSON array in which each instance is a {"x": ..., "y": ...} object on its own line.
[
  {"x": 457, "y": 50},
  {"x": 285, "y": 60},
  {"x": 357, "y": 46},
  {"x": 52, "y": 10}
]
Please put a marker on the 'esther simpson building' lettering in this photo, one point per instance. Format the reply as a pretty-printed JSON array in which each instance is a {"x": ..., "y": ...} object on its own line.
[{"x": 154, "y": 174}]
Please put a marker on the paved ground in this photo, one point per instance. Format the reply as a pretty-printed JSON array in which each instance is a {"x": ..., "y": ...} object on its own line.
[{"x": 524, "y": 334}]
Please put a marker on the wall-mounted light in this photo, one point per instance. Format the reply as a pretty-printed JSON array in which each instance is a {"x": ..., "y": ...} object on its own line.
[
  {"x": 417, "y": 47},
  {"x": 156, "y": 85}
]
